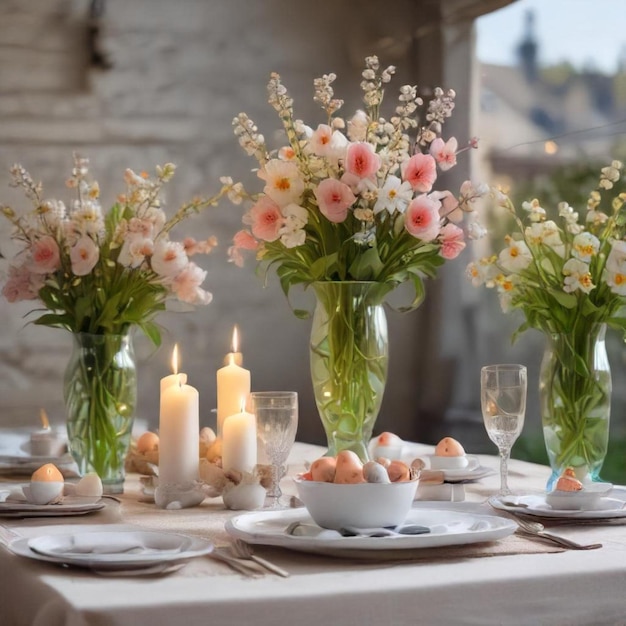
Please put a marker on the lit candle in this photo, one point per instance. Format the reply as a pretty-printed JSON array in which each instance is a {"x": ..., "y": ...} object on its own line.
[
  {"x": 46, "y": 442},
  {"x": 179, "y": 428},
  {"x": 239, "y": 442},
  {"x": 175, "y": 378},
  {"x": 233, "y": 386}
]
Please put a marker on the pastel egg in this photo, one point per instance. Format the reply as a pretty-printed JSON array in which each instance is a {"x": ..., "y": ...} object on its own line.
[
  {"x": 89, "y": 485},
  {"x": 449, "y": 447},
  {"x": 47, "y": 473},
  {"x": 324, "y": 469},
  {"x": 374, "y": 472},
  {"x": 398, "y": 472},
  {"x": 148, "y": 442},
  {"x": 349, "y": 468},
  {"x": 389, "y": 439}
]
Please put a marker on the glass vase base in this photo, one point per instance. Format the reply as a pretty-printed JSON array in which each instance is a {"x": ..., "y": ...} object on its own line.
[{"x": 113, "y": 487}]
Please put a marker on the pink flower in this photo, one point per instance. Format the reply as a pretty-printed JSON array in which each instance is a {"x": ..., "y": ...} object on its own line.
[
  {"x": 84, "y": 255},
  {"x": 243, "y": 240},
  {"x": 45, "y": 256},
  {"x": 444, "y": 152},
  {"x": 334, "y": 198},
  {"x": 421, "y": 171},
  {"x": 449, "y": 205},
  {"x": 168, "y": 259},
  {"x": 199, "y": 247},
  {"x": 361, "y": 160},
  {"x": 186, "y": 285},
  {"x": 22, "y": 284},
  {"x": 422, "y": 218},
  {"x": 265, "y": 219},
  {"x": 451, "y": 241}
]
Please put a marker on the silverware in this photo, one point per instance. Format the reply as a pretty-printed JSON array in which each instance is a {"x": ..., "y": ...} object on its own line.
[
  {"x": 243, "y": 550},
  {"x": 536, "y": 529},
  {"x": 161, "y": 569},
  {"x": 240, "y": 565}
]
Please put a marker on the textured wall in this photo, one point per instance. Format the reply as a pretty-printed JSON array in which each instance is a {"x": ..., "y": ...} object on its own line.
[{"x": 180, "y": 72}]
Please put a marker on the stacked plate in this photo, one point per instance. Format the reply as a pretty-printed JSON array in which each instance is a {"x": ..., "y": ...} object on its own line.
[{"x": 112, "y": 550}]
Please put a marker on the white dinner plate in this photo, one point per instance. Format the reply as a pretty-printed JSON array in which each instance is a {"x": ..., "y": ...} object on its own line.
[
  {"x": 112, "y": 549},
  {"x": 71, "y": 505},
  {"x": 447, "y": 528},
  {"x": 609, "y": 507}
]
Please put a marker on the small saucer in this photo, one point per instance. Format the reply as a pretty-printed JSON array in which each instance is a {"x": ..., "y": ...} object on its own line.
[{"x": 586, "y": 499}]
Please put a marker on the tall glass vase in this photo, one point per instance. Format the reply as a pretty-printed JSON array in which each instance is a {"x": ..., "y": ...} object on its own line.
[
  {"x": 575, "y": 401},
  {"x": 349, "y": 356},
  {"x": 100, "y": 396}
]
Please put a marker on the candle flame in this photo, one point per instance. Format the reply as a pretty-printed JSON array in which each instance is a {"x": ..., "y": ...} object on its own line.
[
  {"x": 43, "y": 416},
  {"x": 235, "y": 344},
  {"x": 175, "y": 360}
]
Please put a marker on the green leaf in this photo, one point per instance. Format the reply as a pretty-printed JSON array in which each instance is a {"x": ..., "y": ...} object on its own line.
[
  {"x": 152, "y": 331},
  {"x": 366, "y": 266},
  {"x": 568, "y": 300}
]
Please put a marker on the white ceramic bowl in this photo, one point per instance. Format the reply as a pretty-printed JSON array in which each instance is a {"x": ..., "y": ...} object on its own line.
[
  {"x": 363, "y": 505},
  {"x": 42, "y": 492},
  {"x": 587, "y": 499}
]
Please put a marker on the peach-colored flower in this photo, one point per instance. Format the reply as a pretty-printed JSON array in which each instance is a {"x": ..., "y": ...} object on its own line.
[
  {"x": 422, "y": 218},
  {"x": 244, "y": 240},
  {"x": 199, "y": 247},
  {"x": 361, "y": 160},
  {"x": 265, "y": 219},
  {"x": 334, "y": 198},
  {"x": 449, "y": 205},
  {"x": 186, "y": 285},
  {"x": 22, "y": 284},
  {"x": 283, "y": 181},
  {"x": 168, "y": 259},
  {"x": 327, "y": 142},
  {"x": 444, "y": 152},
  {"x": 134, "y": 250},
  {"x": 84, "y": 255},
  {"x": 45, "y": 256},
  {"x": 421, "y": 171},
  {"x": 451, "y": 241}
]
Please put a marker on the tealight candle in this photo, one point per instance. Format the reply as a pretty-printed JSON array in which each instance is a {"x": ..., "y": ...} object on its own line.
[
  {"x": 178, "y": 429},
  {"x": 239, "y": 444},
  {"x": 233, "y": 386},
  {"x": 45, "y": 442}
]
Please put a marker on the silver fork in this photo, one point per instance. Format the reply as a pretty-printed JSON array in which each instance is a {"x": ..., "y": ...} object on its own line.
[
  {"x": 242, "y": 550},
  {"x": 537, "y": 529}
]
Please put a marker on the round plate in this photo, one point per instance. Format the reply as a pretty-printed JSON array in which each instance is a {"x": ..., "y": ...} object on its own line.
[
  {"x": 71, "y": 505},
  {"x": 153, "y": 547},
  {"x": 447, "y": 528}
]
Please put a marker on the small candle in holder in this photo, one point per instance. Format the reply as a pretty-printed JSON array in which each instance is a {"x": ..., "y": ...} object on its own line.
[
  {"x": 46, "y": 442},
  {"x": 239, "y": 445},
  {"x": 179, "y": 437},
  {"x": 233, "y": 385}
]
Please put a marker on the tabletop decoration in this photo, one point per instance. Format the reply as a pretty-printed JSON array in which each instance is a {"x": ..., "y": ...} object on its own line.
[
  {"x": 348, "y": 209},
  {"x": 569, "y": 282},
  {"x": 100, "y": 276},
  {"x": 46, "y": 441}
]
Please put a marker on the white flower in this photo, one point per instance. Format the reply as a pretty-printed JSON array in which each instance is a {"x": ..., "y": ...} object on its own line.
[
  {"x": 537, "y": 212},
  {"x": 168, "y": 259},
  {"x": 506, "y": 290},
  {"x": 475, "y": 230},
  {"x": 547, "y": 234},
  {"x": 84, "y": 255},
  {"x": 53, "y": 212},
  {"x": 577, "y": 276},
  {"x": 482, "y": 272},
  {"x": 394, "y": 195},
  {"x": 516, "y": 256},
  {"x": 283, "y": 182},
  {"x": 616, "y": 261},
  {"x": 134, "y": 251},
  {"x": 292, "y": 233},
  {"x": 328, "y": 143},
  {"x": 87, "y": 218},
  {"x": 570, "y": 217},
  {"x": 357, "y": 126},
  {"x": 585, "y": 246}
]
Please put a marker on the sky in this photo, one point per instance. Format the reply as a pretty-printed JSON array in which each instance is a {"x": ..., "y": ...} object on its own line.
[{"x": 579, "y": 31}]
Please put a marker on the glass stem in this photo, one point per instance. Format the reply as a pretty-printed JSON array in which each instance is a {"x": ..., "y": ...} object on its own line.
[{"x": 505, "y": 453}]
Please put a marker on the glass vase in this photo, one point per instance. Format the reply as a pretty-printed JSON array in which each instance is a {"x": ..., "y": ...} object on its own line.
[
  {"x": 349, "y": 357},
  {"x": 100, "y": 396},
  {"x": 575, "y": 401}
]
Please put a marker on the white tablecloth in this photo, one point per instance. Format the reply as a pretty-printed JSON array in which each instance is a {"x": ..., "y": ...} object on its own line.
[{"x": 569, "y": 587}]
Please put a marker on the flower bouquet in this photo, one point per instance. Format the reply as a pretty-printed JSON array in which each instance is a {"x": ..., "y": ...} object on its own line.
[
  {"x": 569, "y": 281},
  {"x": 99, "y": 275},
  {"x": 349, "y": 208}
]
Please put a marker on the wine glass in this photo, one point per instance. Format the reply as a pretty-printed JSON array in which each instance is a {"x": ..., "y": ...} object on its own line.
[
  {"x": 503, "y": 402},
  {"x": 276, "y": 422}
]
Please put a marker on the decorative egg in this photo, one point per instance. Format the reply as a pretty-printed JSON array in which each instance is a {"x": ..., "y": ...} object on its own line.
[
  {"x": 449, "y": 454},
  {"x": 89, "y": 485},
  {"x": 388, "y": 445},
  {"x": 398, "y": 472},
  {"x": 214, "y": 451},
  {"x": 46, "y": 485},
  {"x": 568, "y": 481},
  {"x": 349, "y": 468},
  {"x": 47, "y": 473},
  {"x": 324, "y": 469},
  {"x": 374, "y": 472},
  {"x": 389, "y": 439},
  {"x": 148, "y": 442}
]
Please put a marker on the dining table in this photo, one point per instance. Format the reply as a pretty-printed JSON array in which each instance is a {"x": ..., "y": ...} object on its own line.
[{"x": 516, "y": 579}]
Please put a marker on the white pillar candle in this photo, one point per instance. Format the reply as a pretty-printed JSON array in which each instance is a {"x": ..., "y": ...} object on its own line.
[
  {"x": 239, "y": 442},
  {"x": 179, "y": 428},
  {"x": 233, "y": 387}
]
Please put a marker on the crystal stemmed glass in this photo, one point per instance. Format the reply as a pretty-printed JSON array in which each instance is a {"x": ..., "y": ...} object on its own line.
[
  {"x": 276, "y": 422},
  {"x": 503, "y": 402}
]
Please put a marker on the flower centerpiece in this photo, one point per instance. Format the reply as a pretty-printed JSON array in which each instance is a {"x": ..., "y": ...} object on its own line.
[
  {"x": 569, "y": 281},
  {"x": 349, "y": 208},
  {"x": 98, "y": 276}
]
